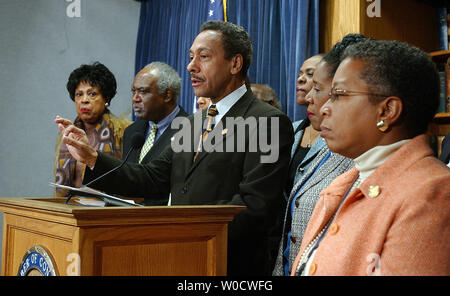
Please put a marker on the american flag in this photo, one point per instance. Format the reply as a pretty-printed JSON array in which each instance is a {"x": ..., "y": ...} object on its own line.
[{"x": 216, "y": 10}]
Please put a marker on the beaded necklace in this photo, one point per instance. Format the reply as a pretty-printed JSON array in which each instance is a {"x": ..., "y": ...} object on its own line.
[{"x": 314, "y": 244}]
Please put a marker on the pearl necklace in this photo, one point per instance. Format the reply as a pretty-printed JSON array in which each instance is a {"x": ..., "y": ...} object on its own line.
[
  {"x": 356, "y": 183},
  {"x": 305, "y": 256}
]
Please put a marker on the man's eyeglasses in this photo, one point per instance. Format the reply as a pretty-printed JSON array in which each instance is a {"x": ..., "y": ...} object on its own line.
[{"x": 336, "y": 92}]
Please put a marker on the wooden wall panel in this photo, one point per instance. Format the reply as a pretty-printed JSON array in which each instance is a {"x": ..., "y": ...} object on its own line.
[
  {"x": 337, "y": 19},
  {"x": 410, "y": 21}
]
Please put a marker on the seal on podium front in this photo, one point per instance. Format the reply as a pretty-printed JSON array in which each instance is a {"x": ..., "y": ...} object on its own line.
[{"x": 37, "y": 262}]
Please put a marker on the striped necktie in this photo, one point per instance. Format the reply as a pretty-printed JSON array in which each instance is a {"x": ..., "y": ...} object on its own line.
[
  {"x": 149, "y": 142},
  {"x": 212, "y": 112}
]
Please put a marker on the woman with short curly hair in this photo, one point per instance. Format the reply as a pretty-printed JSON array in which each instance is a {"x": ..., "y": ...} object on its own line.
[{"x": 92, "y": 88}]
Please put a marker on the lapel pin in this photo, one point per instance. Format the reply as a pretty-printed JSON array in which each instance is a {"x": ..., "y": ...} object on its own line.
[
  {"x": 224, "y": 131},
  {"x": 374, "y": 191}
]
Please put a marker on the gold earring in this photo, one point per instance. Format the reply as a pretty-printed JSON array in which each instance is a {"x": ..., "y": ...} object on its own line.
[
  {"x": 382, "y": 126},
  {"x": 106, "y": 104}
]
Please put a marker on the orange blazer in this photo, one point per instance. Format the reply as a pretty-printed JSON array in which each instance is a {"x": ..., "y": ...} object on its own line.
[{"x": 400, "y": 228}]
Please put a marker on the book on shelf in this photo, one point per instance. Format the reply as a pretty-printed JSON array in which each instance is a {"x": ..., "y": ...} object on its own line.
[
  {"x": 442, "y": 27},
  {"x": 447, "y": 80},
  {"x": 443, "y": 92}
]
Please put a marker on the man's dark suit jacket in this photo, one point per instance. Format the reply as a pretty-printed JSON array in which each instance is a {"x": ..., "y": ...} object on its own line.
[
  {"x": 141, "y": 126},
  {"x": 445, "y": 151},
  {"x": 235, "y": 178}
]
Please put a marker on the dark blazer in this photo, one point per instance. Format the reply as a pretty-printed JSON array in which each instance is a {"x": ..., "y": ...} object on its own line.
[
  {"x": 445, "y": 151},
  {"x": 141, "y": 126},
  {"x": 235, "y": 178}
]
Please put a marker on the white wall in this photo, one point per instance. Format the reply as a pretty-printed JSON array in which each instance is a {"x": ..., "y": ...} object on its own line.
[{"x": 39, "y": 47}]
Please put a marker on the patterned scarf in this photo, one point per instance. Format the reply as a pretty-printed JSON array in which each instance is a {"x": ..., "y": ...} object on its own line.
[{"x": 103, "y": 140}]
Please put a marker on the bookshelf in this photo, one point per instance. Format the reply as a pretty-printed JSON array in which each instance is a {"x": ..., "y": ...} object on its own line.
[
  {"x": 442, "y": 117},
  {"x": 440, "y": 125},
  {"x": 441, "y": 122},
  {"x": 440, "y": 56}
]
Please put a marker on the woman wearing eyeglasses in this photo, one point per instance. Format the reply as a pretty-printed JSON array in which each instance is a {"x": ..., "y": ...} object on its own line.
[
  {"x": 390, "y": 214},
  {"x": 92, "y": 88},
  {"x": 323, "y": 168}
]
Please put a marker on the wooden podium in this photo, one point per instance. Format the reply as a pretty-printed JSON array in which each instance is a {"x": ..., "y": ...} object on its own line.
[{"x": 80, "y": 240}]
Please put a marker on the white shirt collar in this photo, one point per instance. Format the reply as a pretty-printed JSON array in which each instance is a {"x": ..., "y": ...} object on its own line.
[
  {"x": 164, "y": 123},
  {"x": 373, "y": 158},
  {"x": 225, "y": 104}
]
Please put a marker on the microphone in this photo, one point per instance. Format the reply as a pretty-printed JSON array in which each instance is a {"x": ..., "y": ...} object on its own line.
[{"x": 137, "y": 141}]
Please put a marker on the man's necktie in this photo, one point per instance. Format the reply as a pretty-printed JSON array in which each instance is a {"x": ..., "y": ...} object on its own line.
[
  {"x": 148, "y": 143},
  {"x": 212, "y": 112}
]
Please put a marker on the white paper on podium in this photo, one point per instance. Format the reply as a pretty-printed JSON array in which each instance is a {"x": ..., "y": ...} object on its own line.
[
  {"x": 89, "y": 192},
  {"x": 91, "y": 201}
]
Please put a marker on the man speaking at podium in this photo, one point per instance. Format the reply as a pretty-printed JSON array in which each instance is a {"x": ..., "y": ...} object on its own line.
[{"x": 219, "y": 60}]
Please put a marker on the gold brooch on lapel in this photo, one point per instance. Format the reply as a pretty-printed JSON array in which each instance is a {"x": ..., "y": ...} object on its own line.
[{"x": 374, "y": 191}]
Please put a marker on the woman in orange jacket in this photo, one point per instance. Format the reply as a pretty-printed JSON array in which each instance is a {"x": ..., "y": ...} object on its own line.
[{"x": 390, "y": 214}]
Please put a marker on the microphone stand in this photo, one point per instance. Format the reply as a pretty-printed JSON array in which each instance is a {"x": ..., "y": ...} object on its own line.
[
  {"x": 108, "y": 172},
  {"x": 136, "y": 142}
]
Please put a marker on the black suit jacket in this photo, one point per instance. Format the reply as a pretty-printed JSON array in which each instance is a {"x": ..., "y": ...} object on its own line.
[
  {"x": 235, "y": 178},
  {"x": 141, "y": 126}
]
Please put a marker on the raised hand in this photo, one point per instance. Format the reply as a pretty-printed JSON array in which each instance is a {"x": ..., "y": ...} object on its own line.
[{"x": 77, "y": 142}]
